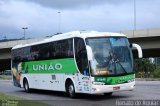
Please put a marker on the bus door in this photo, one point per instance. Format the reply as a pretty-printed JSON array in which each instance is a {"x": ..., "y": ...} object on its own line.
[
  {"x": 83, "y": 77},
  {"x": 84, "y": 83},
  {"x": 84, "y": 74}
]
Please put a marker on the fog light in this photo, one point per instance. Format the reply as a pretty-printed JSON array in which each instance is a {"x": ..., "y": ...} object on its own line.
[{"x": 98, "y": 89}]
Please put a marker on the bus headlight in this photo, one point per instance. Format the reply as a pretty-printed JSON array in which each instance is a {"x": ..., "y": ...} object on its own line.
[
  {"x": 98, "y": 90},
  {"x": 132, "y": 86}
]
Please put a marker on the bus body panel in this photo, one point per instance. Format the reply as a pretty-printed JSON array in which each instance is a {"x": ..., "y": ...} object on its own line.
[
  {"x": 38, "y": 82},
  {"x": 46, "y": 82}
]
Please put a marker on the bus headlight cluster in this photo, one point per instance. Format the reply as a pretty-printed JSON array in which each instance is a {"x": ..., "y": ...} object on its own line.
[
  {"x": 132, "y": 86},
  {"x": 96, "y": 89},
  {"x": 98, "y": 83}
]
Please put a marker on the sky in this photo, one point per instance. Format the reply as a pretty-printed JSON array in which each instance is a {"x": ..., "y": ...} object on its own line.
[{"x": 48, "y": 17}]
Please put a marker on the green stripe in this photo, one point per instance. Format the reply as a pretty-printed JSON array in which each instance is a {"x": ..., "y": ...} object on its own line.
[
  {"x": 50, "y": 66},
  {"x": 115, "y": 80}
]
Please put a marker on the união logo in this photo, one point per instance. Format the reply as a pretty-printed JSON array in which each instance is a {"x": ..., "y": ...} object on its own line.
[{"x": 47, "y": 67}]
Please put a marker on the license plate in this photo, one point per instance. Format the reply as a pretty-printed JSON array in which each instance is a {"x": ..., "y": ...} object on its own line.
[{"x": 116, "y": 88}]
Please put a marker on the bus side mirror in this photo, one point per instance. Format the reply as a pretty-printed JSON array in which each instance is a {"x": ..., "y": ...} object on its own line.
[
  {"x": 89, "y": 53},
  {"x": 140, "y": 55}
]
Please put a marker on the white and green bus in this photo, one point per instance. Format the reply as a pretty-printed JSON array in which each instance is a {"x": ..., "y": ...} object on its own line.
[{"x": 76, "y": 62}]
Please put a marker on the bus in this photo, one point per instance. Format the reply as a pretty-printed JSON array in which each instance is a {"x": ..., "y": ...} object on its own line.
[{"x": 76, "y": 62}]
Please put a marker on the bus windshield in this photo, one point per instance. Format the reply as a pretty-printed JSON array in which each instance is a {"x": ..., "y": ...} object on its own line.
[{"x": 111, "y": 56}]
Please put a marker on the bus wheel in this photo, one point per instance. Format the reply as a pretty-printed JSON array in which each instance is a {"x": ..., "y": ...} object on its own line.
[
  {"x": 71, "y": 90},
  {"x": 108, "y": 94},
  {"x": 26, "y": 86}
]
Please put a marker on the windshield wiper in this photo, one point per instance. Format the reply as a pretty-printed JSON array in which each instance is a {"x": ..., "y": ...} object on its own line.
[
  {"x": 116, "y": 60},
  {"x": 121, "y": 65}
]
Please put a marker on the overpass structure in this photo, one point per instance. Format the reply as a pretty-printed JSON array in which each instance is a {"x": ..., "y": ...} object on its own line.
[
  {"x": 5, "y": 51},
  {"x": 148, "y": 39}
]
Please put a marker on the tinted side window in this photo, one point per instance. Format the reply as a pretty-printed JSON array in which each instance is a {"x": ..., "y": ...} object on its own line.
[
  {"x": 64, "y": 48},
  {"x": 52, "y": 50},
  {"x": 15, "y": 57},
  {"x": 81, "y": 56},
  {"x": 22, "y": 54}
]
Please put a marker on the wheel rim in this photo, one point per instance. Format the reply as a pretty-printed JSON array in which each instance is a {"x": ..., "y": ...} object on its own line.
[
  {"x": 26, "y": 86},
  {"x": 71, "y": 90}
]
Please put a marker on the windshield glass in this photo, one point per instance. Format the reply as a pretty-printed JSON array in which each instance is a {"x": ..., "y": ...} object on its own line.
[{"x": 111, "y": 56}]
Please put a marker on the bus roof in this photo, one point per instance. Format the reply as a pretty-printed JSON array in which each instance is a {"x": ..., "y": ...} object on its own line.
[{"x": 81, "y": 34}]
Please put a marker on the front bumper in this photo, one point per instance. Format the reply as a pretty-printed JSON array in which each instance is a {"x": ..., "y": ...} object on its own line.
[{"x": 97, "y": 89}]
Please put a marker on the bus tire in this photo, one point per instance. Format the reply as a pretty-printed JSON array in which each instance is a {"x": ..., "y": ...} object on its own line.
[
  {"x": 108, "y": 94},
  {"x": 71, "y": 90},
  {"x": 26, "y": 86}
]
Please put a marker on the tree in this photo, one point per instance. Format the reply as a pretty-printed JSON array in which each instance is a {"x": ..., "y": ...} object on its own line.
[{"x": 144, "y": 67}]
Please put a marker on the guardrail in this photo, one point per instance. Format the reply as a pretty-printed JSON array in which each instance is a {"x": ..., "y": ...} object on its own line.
[{"x": 7, "y": 72}]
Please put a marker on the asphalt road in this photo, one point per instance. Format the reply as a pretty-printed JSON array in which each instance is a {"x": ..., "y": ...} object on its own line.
[{"x": 145, "y": 90}]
